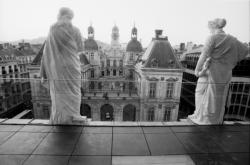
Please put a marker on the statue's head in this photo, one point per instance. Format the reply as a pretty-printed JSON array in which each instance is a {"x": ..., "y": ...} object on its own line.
[
  {"x": 218, "y": 23},
  {"x": 65, "y": 13}
]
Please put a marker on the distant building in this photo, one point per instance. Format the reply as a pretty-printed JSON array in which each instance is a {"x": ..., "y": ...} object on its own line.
[
  {"x": 238, "y": 100},
  {"x": 122, "y": 84},
  {"x": 15, "y": 93}
]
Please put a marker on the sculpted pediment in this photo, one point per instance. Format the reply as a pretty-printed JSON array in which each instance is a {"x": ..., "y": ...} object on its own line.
[{"x": 172, "y": 79}]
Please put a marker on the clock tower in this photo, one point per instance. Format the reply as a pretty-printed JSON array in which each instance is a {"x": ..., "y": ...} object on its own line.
[{"x": 115, "y": 37}]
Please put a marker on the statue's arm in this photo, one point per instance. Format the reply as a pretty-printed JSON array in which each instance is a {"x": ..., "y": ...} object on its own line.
[{"x": 207, "y": 49}]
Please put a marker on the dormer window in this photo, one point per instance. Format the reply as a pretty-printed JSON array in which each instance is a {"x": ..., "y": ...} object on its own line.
[{"x": 154, "y": 63}]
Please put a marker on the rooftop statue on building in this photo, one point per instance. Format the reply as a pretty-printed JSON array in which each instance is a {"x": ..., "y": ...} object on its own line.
[{"x": 61, "y": 66}]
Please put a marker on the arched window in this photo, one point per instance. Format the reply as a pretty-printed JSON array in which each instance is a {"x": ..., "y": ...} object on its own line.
[{"x": 10, "y": 69}]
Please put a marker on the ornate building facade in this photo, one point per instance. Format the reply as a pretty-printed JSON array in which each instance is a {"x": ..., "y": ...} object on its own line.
[
  {"x": 124, "y": 84},
  {"x": 15, "y": 92}
]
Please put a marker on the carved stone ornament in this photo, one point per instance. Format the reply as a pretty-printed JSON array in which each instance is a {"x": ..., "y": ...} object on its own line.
[
  {"x": 152, "y": 78},
  {"x": 172, "y": 79}
]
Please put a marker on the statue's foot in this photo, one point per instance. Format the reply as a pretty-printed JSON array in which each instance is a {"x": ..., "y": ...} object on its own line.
[
  {"x": 79, "y": 118},
  {"x": 193, "y": 116}
]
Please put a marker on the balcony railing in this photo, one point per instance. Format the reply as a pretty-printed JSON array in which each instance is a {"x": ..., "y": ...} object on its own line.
[{"x": 121, "y": 100}]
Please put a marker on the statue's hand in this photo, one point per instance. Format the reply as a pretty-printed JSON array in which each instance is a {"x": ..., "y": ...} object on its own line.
[{"x": 196, "y": 72}]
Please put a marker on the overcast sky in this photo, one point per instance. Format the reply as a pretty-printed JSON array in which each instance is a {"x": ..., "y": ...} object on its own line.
[{"x": 181, "y": 20}]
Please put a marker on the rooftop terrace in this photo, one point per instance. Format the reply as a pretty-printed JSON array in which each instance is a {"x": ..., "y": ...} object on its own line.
[{"x": 29, "y": 142}]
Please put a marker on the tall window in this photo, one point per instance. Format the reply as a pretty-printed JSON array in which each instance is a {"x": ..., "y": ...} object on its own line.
[
  {"x": 103, "y": 74},
  {"x": 3, "y": 70},
  {"x": 170, "y": 90},
  {"x": 121, "y": 62},
  {"x": 151, "y": 114},
  {"x": 102, "y": 64},
  {"x": 108, "y": 72},
  {"x": 120, "y": 72},
  {"x": 131, "y": 57},
  {"x": 10, "y": 69},
  {"x": 45, "y": 109},
  {"x": 92, "y": 73},
  {"x": 152, "y": 89},
  {"x": 108, "y": 62},
  {"x": 92, "y": 56},
  {"x": 92, "y": 85},
  {"x": 167, "y": 114},
  {"x": 114, "y": 72},
  {"x": 114, "y": 63}
]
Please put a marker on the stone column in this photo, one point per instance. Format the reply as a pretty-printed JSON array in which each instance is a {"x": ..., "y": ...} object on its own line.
[
  {"x": 118, "y": 112},
  {"x": 95, "y": 109}
]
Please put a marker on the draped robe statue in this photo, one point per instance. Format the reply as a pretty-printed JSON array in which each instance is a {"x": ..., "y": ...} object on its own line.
[
  {"x": 61, "y": 66},
  {"x": 211, "y": 91}
]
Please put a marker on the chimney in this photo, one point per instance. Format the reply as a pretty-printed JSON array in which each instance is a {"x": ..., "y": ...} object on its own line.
[
  {"x": 158, "y": 33},
  {"x": 182, "y": 46}
]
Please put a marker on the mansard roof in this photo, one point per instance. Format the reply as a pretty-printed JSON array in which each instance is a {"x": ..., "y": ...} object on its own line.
[{"x": 160, "y": 54}]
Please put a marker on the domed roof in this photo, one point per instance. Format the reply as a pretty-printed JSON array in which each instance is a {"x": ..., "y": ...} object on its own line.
[
  {"x": 134, "y": 30},
  {"x": 134, "y": 46},
  {"x": 115, "y": 28},
  {"x": 90, "y": 44},
  {"x": 90, "y": 29}
]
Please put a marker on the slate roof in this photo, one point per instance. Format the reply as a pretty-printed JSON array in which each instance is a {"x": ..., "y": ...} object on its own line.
[
  {"x": 10, "y": 51},
  {"x": 134, "y": 46},
  {"x": 90, "y": 44},
  {"x": 160, "y": 54},
  {"x": 38, "y": 58}
]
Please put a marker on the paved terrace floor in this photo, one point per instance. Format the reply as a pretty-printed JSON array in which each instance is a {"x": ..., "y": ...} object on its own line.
[{"x": 38, "y": 144}]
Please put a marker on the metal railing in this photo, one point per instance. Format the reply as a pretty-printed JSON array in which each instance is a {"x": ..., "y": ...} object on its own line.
[{"x": 121, "y": 100}]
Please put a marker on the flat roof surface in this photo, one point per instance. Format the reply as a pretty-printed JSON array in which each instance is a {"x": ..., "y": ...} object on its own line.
[{"x": 123, "y": 145}]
